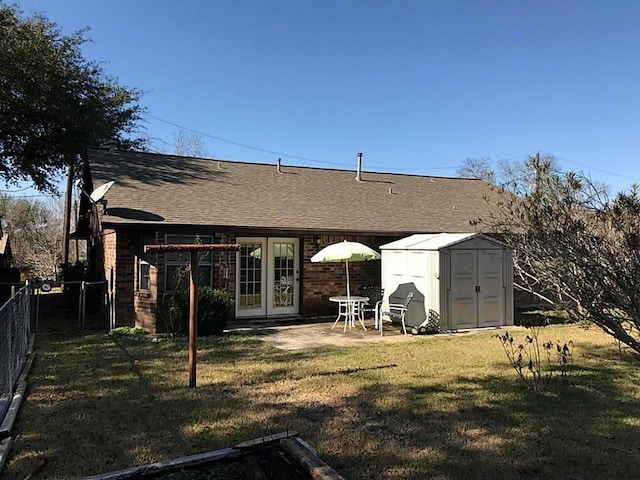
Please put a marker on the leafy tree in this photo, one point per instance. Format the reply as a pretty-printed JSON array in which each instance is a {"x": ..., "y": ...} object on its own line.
[
  {"x": 53, "y": 101},
  {"x": 574, "y": 247},
  {"x": 35, "y": 234}
]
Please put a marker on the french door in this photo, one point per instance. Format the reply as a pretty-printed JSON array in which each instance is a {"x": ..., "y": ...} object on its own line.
[{"x": 267, "y": 276}]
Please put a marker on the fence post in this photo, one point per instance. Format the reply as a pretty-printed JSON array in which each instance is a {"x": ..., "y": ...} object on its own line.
[
  {"x": 82, "y": 304},
  {"x": 13, "y": 331},
  {"x": 112, "y": 308},
  {"x": 9, "y": 360},
  {"x": 37, "y": 326}
]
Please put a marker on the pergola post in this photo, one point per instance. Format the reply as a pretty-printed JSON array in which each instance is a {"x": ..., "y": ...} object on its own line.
[
  {"x": 193, "y": 318},
  {"x": 193, "y": 249}
]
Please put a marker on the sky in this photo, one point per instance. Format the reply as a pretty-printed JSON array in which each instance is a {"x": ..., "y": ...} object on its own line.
[{"x": 417, "y": 86}]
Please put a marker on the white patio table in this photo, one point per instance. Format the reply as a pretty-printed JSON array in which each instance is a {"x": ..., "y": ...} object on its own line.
[{"x": 349, "y": 308}]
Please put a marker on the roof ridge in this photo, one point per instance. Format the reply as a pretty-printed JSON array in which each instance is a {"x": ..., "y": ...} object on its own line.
[{"x": 246, "y": 162}]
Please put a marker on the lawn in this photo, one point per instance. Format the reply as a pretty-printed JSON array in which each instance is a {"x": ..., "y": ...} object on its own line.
[{"x": 445, "y": 407}]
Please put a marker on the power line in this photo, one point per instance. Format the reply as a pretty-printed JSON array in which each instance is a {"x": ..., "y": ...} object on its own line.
[
  {"x": 344, "y": 164},
  {"x": 41, "y": 195},
  {"x": 296, "y": 157},
  {"x": 240, "y": 144},
  {"x": 16, "y": 191},
  {"x": 595, "y": 169}
]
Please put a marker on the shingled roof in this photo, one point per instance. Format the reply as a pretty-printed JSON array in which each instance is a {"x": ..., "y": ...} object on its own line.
[{"x": 153, "y": 189}]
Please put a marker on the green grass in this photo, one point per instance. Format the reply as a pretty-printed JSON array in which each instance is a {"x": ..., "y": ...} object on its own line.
[{"x": 442, "y": 407}]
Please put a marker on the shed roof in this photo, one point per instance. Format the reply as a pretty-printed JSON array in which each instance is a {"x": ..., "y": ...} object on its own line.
[
  {"x": 435, "y": 241},
  {"x": 153, "y": 189}
]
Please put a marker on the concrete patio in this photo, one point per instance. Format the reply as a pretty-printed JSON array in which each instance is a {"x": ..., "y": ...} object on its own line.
[{"x": 320, "y": 334}]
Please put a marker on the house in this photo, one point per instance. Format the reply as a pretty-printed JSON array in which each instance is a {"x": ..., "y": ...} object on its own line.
[
  {"x": 5, "y": 246},
  {"x": 280, "y": 215}
]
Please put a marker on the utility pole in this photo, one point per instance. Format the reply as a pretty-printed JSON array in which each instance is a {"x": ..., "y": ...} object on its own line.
[
  {"x": 536, "y": 167},
  {"x": 66, "y": 218},
  {"x": 75, "y": 229}
]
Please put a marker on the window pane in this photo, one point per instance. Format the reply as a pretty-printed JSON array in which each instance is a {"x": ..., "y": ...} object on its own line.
[
  {"x": 204, "y": 276},
  {"x": 144, "y": 282},
  {"x": 283, "y": 274},
  {"x": 178, "y": 257},
  {"x": 250, "y": 276},
  {"x": 177, "y": 278},
  {"x": 184, "y": 257},
  {"x": 177, "y": 273}
]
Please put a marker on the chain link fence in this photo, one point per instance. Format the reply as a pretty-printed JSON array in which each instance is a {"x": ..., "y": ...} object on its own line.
[
  {"x": 15, "y": 335},
  {"x": 72, "y": 306}
]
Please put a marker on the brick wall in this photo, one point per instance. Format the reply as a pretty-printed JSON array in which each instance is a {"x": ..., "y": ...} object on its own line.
[
  {"x": 127, "y": 247},
  {"x": 140, "y": 308},
  {"x": 134, "y": 306},
  {"x": 324, "y": 280}
]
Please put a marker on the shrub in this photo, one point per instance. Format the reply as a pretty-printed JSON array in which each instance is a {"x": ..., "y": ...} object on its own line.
[
  {"x": 215, "y": 310},
  {"x": 526, "y": 358},
  {"x": 124, "y": 331}
]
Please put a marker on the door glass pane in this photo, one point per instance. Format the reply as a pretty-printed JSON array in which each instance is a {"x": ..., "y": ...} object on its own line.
[
  {"x": 250, "y": 294},
  {"x": 283, "y": 274}
]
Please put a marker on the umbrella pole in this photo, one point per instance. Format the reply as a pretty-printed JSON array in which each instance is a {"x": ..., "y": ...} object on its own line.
[
  {"x": 349, "y": 306},
  {"x": 348, "y": 289}
]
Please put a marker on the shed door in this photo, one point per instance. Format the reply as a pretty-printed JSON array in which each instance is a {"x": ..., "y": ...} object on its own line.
[
  {"x": 490, "y": 288},
  {"x": 464, "y": 298},
  {"x": 476, "y": 289}
]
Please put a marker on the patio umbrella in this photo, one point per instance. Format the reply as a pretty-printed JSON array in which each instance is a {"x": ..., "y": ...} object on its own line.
[{"x": 345, "y": 252}]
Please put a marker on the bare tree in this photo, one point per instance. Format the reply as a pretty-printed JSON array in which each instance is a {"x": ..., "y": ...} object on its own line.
[
  {"x": 190, "y": 144},
  {"x": 574, "y": 247},
  {"x": 477, "y": 168},
  {"x": 515, "y": 176},
  {"x": 35, "y": 234}
]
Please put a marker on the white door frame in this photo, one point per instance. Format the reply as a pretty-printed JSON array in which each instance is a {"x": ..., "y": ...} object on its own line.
[{"x": 279, "y": 292}]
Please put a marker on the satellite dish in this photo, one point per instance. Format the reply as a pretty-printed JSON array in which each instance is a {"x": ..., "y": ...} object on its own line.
[{"x": 99, "y": 193}]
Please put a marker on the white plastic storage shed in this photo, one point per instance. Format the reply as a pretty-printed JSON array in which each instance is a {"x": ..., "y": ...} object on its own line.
[{"x": 466, "y": 278}]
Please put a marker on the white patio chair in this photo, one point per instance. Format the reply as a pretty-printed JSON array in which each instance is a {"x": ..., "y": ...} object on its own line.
[
  {"x": 396, "y": 311},
  {"x": 373, "y": 305}
]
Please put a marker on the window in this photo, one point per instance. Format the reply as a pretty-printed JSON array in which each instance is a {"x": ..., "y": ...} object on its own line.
[
  {"x": 144, "y": 276},
  {"x": 176, "y": 263}
]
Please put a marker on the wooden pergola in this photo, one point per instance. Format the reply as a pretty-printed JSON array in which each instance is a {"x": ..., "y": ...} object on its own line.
[{"x": 193, "y": 249}]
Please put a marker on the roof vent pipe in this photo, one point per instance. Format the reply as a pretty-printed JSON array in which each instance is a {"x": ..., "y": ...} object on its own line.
[
  {"x": 279, "y": 168},
  {"x": 358, "y": 172}
]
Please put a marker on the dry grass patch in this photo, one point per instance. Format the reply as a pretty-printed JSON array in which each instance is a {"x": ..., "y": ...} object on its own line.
[{"x": 444, "y": 407}]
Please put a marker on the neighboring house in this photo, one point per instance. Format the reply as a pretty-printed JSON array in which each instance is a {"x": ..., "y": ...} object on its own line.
[
  {"x": 5, "y": 246},
  {"x": 9, "y": 276},
  {"x": 280, "y": 215}
]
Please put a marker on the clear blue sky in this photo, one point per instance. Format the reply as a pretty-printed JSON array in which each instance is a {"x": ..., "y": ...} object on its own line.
[{"x": 418, "y": 86}]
